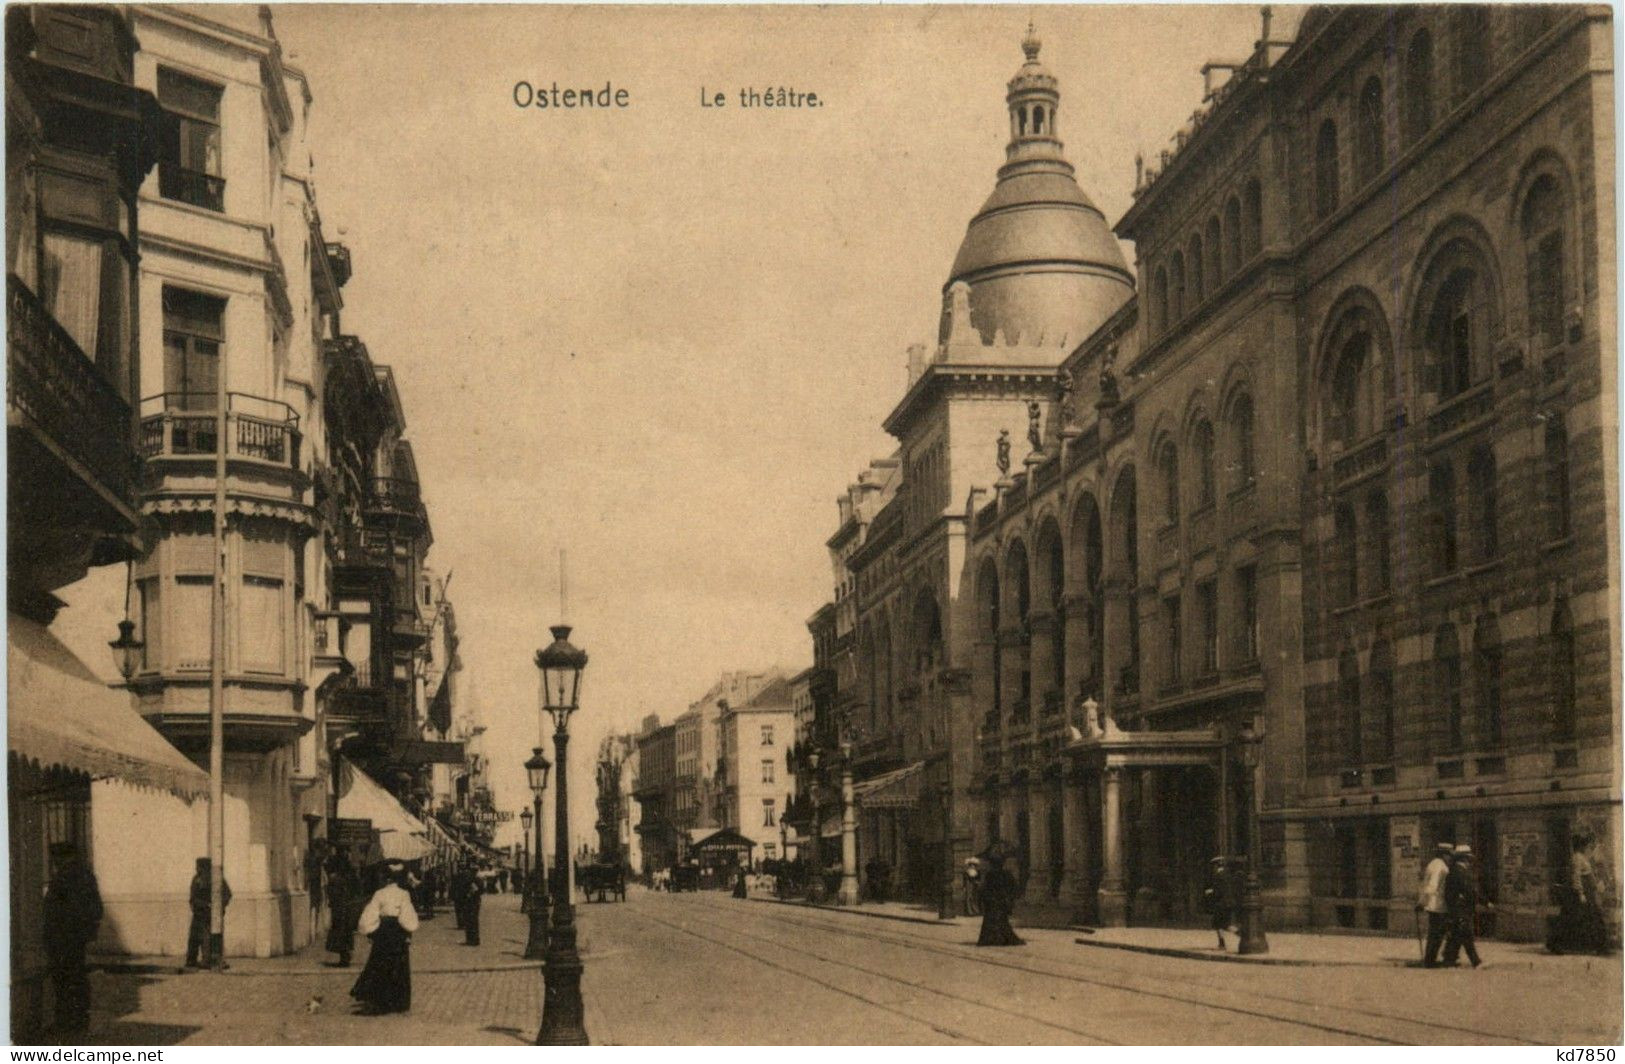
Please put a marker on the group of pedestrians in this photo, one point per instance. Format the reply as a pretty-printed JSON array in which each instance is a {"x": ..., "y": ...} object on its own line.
[{"x": 1449, "y": 897}]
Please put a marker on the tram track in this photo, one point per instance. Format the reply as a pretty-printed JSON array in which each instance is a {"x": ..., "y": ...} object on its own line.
[
  {"x": 1025, "y": 1017},
  {"x": 1086, "y": 973}
]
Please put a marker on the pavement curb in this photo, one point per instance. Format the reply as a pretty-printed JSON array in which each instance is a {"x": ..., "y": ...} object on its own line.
[
  {"x": 859, "y": 911},
  {"x": 240, "y": 971},
  {"x": 1225, "y": 958}
]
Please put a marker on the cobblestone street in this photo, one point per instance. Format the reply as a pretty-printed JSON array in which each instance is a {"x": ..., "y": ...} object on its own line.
[{"x": 704, "y": 968}]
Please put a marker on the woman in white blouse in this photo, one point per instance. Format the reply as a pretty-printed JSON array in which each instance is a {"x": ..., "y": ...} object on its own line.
[{"x": 388, "y": 920}]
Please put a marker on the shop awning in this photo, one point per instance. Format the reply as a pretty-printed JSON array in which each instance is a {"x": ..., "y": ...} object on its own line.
[
  {"x": 59, "y": 714},
  {"x": 899, "y": 789},
  {"x": 726, "y": 839},
  {"x": 402, "y": 836}
]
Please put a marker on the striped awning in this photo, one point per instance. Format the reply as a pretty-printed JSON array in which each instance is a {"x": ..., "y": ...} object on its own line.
[
  {"x": 58, "y": 713},
  {"x": 402, "y": 836}
]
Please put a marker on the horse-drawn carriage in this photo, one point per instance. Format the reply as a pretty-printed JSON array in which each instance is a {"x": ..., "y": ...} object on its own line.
[{"x": 600, "y": 881}]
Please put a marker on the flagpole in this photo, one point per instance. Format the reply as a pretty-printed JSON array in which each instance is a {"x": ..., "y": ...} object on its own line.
[{"x": 217, "y": 682}]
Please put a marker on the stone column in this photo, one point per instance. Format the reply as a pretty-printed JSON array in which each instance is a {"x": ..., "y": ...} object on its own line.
[
  {"x": 1148, "y": 895},
  {"x": 1008, "y": 808},
  {"x": 1038, "y": 838},
  {"x": 1112, "y": 902},
  {"x": 1075, "y": 840}
]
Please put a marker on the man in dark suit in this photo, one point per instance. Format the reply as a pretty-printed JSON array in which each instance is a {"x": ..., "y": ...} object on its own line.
[
  {"x": 197, "y": 936},
  {"x": 1461, "y": 898}
]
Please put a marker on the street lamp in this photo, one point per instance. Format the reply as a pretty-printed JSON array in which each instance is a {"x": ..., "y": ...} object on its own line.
[
  {"x": 561, "y": 666},
  {"x": 524, "y": 861},
  {"x": 128, "y": 648},
  {"x": 536, "y": 899},
  {"x": 1252, "y": 906}
]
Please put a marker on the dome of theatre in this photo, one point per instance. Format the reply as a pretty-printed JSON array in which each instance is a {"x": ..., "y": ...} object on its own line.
[{"x": 1040, "y": 262}]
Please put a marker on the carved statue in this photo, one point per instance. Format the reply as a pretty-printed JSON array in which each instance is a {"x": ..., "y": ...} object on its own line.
[
  {"x": 1004, "y": 452},
  {"x": 1108, "y": 379},
  {"x": 1035, "y": 432},
  {"x": 1064, "y": 399}
]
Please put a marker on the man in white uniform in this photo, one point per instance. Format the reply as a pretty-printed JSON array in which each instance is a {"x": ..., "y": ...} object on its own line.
[{"x": 1430, "y": 899}]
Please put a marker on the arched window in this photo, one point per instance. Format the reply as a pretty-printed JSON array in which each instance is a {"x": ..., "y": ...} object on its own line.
[
  {"x": 1348, "y": 708},
  {"x": 1470, "y": 40},
  {"x": 1345, "y": 574},
  {"x": 1352, "y": 416},
  {"x": 1557, "y": 477},
  {"x": 1326, "y": 191},
  {"x": 1038, "y": 120},
  {"x": 1368, "y": 139},
  {"x": 1442, "y": 518},
  {"x": 1215, "y": 256},
  {"x": 1447, "y": 683},
  {"x": 1126, "y": 528},
  {"x": 1176, "y": 293},
  {"x": 1381, "y": 688},
  {"x": 1055, "y": 563},
  {"x": 991, "y": 632},
  {"x": 1417, "y": 96},
  {"x": 1562, "y": 673},
  {"x": 1378, "y": 537},
  {"x": 1542, "y": 224},
  {"x": 1455, "y": 331},
  {"x": 1159, "y": 302},
  {"x": 1252, "y": 220},
  {"x": 1199, "y": 279},
  {"x": 1487, "y": 680},
  {"x": 1168, "y": 465},
  {"x": 1232, "y": 236},
  {"x": 1241, "y": 431},
  {"x": 1018, "y": 585},
  {"x": 1203, "y": 440},
  {"x": 1481, "y": 503}
]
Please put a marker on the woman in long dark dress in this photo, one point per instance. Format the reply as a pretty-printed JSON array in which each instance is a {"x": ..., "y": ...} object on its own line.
[
  {"x": 998, "y": 901},
  {"x": 389, "y": 919},
  {"x": 343, "y": 904}
]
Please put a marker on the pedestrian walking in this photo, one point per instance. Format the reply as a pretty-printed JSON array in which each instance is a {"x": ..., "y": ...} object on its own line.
[
  {"x": 1461, "y": 898},
  {"x": 385, "y": 984},
  {"x": 313, "y": 881},
  {"x": 459, "y": 890},
  {"x": 197, "y": 937},
  {"x": 343, "y": 903},
  {"x": 1580, "y": 924},
  {"x": 739, "y": 882},
  {"x": 1218, "y": 900},
  {"x": 973, "y": 887},
  {"x": 471, "y": 898},
  {"x": 999, "y": 893},
  {"x": 1430, "y": 899},
  {"x": 72, "y": 916}
]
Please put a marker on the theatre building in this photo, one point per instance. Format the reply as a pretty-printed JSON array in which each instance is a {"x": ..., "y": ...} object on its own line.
[{"x": 1303, "y": 552}]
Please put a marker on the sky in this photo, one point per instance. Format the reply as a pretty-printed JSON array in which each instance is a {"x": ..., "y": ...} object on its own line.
[{"x": 662, "y": 338}]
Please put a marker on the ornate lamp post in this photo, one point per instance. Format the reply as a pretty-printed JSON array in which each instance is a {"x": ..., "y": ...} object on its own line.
[
  {"x": 524, "y": 860},
  {"x": 815, "y": 867},
  {"x": 536, "y": 770},
  {"x": 1252, "y": 906},
  {"x": 561, "y": 666},
  {"x": 128, "y": 648}
]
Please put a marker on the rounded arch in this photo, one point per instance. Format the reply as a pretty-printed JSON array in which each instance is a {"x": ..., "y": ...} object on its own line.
[
  {"x": 988, "y": 599},
  {"x": 1050, "y": 558},
  {"x": 1353, "y": 375},
  {"x": 1123, "y": 555},
  {"x": 1232, "y": 235},
  {"x": 1239, "y": 445},
  {"x": 925, "y": 631},
  {"x": 1544, "y": 224},
  {"x": 1085, "y": 546},
  {"x": 1196, "y": 255},
  {"x": 1455, "y": 308},
  {"x": 1213, "y": 239},
  {"x": 1016, "y": 581}
]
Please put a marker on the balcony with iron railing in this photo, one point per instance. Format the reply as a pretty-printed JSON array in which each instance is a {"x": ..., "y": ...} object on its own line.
[
  {"x": 176, "y": 182},
  {"x": 63, "y": 396},
  {"x": 185, "y": 425},
  {"x": 394, "y": 497}
]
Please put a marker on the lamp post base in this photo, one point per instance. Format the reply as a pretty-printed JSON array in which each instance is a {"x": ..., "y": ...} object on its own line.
[
  {"x": 536, "y": 942},
  {"x": 848, "y": 894},
  {"x": 1252, "y": 939},
  {"x": 563, "y": 1016}
]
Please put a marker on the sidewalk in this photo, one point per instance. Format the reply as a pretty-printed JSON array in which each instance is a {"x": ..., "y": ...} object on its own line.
[
  {"x": 1318, "y": 950},
  {"x": 436, "y": 948},
  {"x": 882, "y": 910}
]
